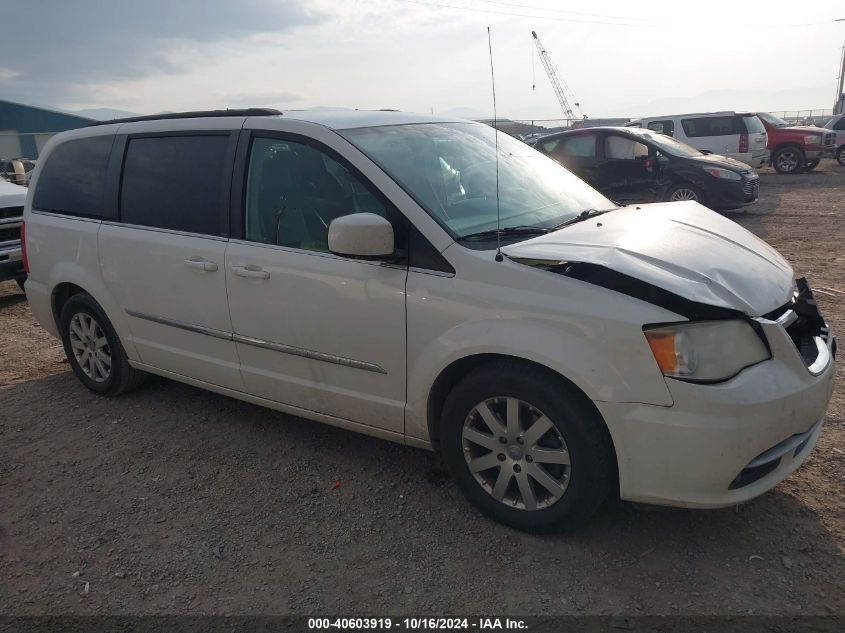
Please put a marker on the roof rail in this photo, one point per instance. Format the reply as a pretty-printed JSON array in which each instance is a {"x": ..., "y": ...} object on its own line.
[{"x": 192, "y": 115}]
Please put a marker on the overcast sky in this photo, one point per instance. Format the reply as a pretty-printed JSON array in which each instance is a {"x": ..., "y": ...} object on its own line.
[{"x": 618, "y": 57}]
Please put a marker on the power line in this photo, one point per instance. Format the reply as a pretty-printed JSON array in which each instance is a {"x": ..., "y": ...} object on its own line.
[
  {"x": 443, "y": 5},
  {"x": 567, "y": 11}
]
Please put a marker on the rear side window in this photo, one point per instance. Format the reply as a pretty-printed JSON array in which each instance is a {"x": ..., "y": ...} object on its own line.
[
  {"x": 175, "y": 182},
  {"x": 583, "y": 145},
  {"x": 713, "y": 126},
  {"x": 73, "y": 178}
]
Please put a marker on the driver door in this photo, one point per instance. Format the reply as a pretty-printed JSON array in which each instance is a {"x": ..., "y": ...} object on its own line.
[
  {"x": 628, "y": 172},
  {"x": 313, "y": 330}
]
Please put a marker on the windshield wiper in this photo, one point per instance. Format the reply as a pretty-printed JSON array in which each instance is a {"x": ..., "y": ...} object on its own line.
[
  {"x": 586, "y": 214},
  {"x": 506, "y": 231}
]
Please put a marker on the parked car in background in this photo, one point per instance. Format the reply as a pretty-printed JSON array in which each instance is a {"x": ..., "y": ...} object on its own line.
[
  {"x": 631, "y": 165},
  {"x": 740, "y": 136},
  {"x": 837, "y": 125},
  {"x": 435, "y": 283},
  {"x": 796, "y": 148},
  {"x": 12, "y": 199},
  {"x": 17, "y": 170}
]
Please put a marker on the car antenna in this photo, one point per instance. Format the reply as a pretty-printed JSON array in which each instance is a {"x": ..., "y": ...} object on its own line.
[{"x": 499, "y": 256}]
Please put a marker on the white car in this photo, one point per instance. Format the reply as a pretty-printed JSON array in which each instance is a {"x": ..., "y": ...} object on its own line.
[
  {"x": 740, "y": 136},
  {"x": 837, "y": 124},
  {"x": 344, "y": 267}
]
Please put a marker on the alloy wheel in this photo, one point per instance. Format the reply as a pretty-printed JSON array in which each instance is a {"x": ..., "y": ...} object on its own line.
[
  {"x": 90, "y": 347},
  {"x": 516, "y": 454},
  {"x": 788, "y": 161},
  {"x": 683, "y": 193}
]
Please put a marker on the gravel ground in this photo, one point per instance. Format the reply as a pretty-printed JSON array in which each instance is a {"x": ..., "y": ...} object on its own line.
[{"x": 176, "y": 500}]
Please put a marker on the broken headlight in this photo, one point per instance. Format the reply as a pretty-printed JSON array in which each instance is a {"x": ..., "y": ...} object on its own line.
[{"x": 705, "y": 351}]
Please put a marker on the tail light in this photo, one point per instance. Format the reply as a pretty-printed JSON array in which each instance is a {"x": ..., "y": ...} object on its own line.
[
  {"x": 743, "y": 143},
  {"x": 23, "y": 248}
]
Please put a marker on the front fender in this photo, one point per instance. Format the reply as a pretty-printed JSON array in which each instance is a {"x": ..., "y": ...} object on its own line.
[{"x": 628, "y": 374}]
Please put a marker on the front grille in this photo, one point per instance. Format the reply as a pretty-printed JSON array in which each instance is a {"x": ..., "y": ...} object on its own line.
[
  {"x": 9, "y": 234},
  {"x": 11, "y": 212},
  {"x": 751, "y": 187},
  {"x": 807, "y": 324},
  {"x": 830, "y": 139}
]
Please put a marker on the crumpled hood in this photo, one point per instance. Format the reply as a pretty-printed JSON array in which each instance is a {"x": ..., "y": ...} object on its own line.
[{"x": 681, "y": 247}]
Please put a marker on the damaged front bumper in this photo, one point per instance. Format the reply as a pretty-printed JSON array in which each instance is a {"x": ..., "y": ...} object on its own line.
[{"x": 723, "y": 444}]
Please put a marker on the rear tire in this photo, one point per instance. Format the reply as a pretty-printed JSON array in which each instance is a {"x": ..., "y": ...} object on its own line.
[
  {"x": 812, "y": 164},
  {"x": 789, "y": 160},
  {"x": 549, "y": 461},
  {"x": 94, "y": 350}
]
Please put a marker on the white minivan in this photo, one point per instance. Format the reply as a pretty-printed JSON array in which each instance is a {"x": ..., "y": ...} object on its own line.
[
  {"x": 392, "y": 274},
  {"x": 740, "y": 136}
]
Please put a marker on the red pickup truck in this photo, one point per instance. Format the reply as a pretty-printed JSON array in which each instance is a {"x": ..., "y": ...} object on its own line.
[{"x": 795, "y": 148}]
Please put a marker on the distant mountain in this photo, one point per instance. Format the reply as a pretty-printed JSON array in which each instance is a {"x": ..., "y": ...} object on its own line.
[
  {"x": 739, "y": 100},
  {"x": 104, "y": 114},
  {"x": 464, "y": 113}
]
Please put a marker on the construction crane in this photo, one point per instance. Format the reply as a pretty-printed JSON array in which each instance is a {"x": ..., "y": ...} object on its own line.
[{"x": 556, "y": 84}]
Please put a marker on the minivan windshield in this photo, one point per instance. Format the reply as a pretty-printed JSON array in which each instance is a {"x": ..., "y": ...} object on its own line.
[
  {"x": 672, "y": 146},
  {"x": 450, "y": 170},
  {"x": 772, "y": 120}
]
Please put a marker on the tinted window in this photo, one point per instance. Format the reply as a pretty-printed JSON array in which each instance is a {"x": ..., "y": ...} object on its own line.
[
  {"x": 294, "y": 191},
  {"x": 175, "y": 182},
  {"x": 73, "y": 178},
  {"x": 840, "y": 124},
  {"x": 665, "y": 126},
  {"x": 713, "y": 126},
  {"x": 580, "y": 145}
]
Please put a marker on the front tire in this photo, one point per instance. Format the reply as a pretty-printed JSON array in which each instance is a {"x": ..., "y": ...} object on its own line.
[
  {"x": 526, "y": 448},
  {"x": 685, "y": 191},
  {"x": 789, "y": 160},
  {"x": 93, "y": 349},
  {"x": 840, "y": 156}
]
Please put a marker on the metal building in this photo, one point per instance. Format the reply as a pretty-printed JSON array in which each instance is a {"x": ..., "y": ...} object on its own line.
[{"x": 24, "y": 129}]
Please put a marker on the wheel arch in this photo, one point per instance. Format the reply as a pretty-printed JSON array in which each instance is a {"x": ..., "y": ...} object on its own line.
[
  {"x": 452, "y": 374},
  {"x": 60, "y": 295},
  {"x": 785, "y": 144}
]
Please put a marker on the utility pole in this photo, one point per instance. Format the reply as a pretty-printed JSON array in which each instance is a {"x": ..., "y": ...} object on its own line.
[{"x": 839, "y": 104}]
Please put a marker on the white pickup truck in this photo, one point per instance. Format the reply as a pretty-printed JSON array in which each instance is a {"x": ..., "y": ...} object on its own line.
[{"x": 12, "y": 198}]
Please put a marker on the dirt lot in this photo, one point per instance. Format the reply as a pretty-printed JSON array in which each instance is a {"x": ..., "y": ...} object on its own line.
[{"x": 175, "y": 500}]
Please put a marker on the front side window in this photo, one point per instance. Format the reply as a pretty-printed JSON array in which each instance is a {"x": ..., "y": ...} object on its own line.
[
  {"x": 73, "y": 178},
  {"x": 533, "y": 189},
  {"x": 175, "y": 182},
  {"x": 294, "y": 191},
  {"x": 623, "y": 148}
]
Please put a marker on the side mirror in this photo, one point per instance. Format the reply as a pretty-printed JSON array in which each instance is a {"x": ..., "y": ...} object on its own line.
[{"x": 361, "y": 235}]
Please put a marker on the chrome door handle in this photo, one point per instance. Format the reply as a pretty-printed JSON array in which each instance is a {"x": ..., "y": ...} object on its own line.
[
  {"x": 200, "y": 264},
  {"x": 251, "y": 271}
]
